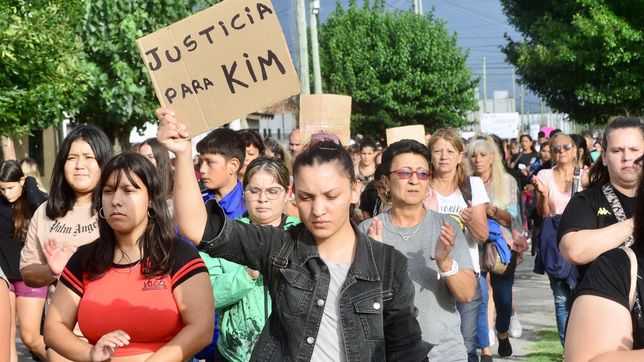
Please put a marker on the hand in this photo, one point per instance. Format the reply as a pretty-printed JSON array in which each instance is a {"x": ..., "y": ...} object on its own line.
[
  {"x": 444, "y": 244},
  {"x": 108, "y": 344},
  {"x": 375, "y": 230},
  {"x": 57, "y": 256},
  {"x": 252, "y": 273},
  {"x": 171, "y": 133},
  {"x": 466, "y": 214},
  {"x": 538, "y": 185}
]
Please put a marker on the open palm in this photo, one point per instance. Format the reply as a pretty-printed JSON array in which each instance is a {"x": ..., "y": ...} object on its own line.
[{"x": 57, "y": 256}]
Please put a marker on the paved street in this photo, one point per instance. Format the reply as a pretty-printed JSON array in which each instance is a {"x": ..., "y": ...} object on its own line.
[{"x": 535, "y": 307}]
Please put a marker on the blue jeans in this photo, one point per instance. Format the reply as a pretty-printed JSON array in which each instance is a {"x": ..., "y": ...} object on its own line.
[
  {"x": 562, "y": 294},
  {"x": 469, "y": 321},
  {"x": 482, "y": 329},
  {"x": 502, "y": 295}
]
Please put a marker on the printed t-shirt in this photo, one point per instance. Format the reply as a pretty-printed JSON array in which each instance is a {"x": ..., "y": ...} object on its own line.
[
  {"x": 438, "y": 317},
  {"x": 453, "y": 204},
  {"x": 609, "y": 276},
  {"x": 589, "y": 210},
  {"x": 124, "y": 299},
  {"x": 78, "y": 227}
]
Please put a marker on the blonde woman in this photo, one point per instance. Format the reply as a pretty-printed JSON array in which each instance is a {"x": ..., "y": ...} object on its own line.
[{"x": 485, "y": 162}]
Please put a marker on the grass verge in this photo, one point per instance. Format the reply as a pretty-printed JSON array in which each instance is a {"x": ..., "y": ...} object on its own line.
[{"x": 547, "y": 348}]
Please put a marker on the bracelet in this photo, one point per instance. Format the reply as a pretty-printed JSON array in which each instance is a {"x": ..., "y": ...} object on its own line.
[{"x": 452, "y": 271}]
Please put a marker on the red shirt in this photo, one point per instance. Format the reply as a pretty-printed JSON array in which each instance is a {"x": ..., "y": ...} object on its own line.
[{"x": 123, "y": 299}]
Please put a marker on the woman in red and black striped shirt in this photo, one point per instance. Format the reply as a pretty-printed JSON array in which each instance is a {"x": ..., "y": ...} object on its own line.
[{"x": 137, "y": 292}]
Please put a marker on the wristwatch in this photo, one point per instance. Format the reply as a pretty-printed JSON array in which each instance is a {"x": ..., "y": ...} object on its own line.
[{"x": 452, "y": 271}]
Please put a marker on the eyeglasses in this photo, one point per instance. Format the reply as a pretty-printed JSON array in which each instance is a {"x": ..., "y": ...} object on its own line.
[
  {"x": 406, "y": 173},
  {"x": 254, "y": 193},
  {"x": 557, "y": 149}
]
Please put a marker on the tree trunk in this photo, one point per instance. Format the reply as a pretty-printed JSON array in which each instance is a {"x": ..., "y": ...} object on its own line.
[{"x": 8, "y": 149}]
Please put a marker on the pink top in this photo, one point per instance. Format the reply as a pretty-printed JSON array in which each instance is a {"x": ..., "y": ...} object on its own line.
[{"x": 557, "y": 200}]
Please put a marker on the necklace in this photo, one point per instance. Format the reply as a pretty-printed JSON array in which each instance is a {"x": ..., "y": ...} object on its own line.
[
  {"x": 125, "y": 268},
  {"x": 403, "y": 236}
]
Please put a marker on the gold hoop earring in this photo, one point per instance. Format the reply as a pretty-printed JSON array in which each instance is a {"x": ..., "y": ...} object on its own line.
[
  {"x": 150, "y": 215},
  {"x": 101, "y": 213}
]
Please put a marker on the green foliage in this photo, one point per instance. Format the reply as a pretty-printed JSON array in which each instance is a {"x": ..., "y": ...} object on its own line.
[
  {"x": 121, "y": 96},
  {"x": 43, "y": 74},
  {"x": 583, "y": 57},
  {"x": 399, "y": 68}
]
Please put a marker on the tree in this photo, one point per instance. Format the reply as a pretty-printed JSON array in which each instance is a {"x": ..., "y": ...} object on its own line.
[
  {"x": 399, "y": 68},
  {"x": 121, "y": 95},
  {"x": 43, "y": 74},
  {"x": 584, "y": 58}
]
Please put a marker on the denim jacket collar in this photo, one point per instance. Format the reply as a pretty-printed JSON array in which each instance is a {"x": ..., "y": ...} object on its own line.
[{"x": 363, "y": 265}]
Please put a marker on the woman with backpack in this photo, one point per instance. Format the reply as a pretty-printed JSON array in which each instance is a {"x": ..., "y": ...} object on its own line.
[
  {"x": 504, "y": 220},
  {"x": 554, "y": 188},
  {"x": 337, "y": 295},
  {"x": 455, "y": 193}
]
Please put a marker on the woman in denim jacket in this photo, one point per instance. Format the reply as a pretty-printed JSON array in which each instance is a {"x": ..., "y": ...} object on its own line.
[{"x": 326, "y": 278}]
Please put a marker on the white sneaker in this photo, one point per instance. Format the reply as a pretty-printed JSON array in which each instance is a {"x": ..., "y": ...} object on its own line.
[
  {"x": 516, "y": 331},
  {"x": 492, "y": 335}
]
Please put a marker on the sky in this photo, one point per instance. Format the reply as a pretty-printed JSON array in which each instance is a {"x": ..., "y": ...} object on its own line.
[{"x": 479, "y": 24}]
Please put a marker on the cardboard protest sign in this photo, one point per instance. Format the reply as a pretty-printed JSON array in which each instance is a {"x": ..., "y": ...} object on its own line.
[
  {"x": 325, "y": 112},
  {"x": 220, "y": 64},
  {"x": 504, "y": 125},
  {"x": 415, "y": 132}
]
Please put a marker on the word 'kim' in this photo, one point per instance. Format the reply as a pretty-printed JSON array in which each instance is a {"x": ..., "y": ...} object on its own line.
[
  {"x": 232, "y": 80},
  {"x": 191, "y": 44}
]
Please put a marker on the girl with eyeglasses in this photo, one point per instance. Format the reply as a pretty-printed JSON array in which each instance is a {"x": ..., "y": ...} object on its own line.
[
  {"x": 337, "y": 295},
  {"x": 554, "y": 188},
  {"x": 441, "y": 275},
  {"x": 453, "y": 192},
  {"x": 243, "y": 304}
]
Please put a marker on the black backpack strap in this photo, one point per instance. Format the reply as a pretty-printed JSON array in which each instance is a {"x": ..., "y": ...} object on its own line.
[
  {"x": 466, "y": 191},
  {"x": 387, "y": 273},
  {"x": 280, "y": 261}
]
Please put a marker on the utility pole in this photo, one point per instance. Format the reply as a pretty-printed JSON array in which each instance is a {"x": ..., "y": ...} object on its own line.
[
  {"x": 303, "y": 46},
  {"x": 514, "y": 89},
  {"x": 484, "y": 85},
  {"x": 314, "y": 7},
  {"x": 522, "y": 95},
  {"x": 417, "y": 6}
]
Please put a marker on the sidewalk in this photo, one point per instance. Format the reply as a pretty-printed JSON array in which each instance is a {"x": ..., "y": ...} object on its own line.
[{"x": 535, "y": 307}]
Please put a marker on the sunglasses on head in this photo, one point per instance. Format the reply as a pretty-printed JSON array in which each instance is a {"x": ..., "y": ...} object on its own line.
[
  {"x": 406, "y": 173},
  {"x": 557, "y": 149}
]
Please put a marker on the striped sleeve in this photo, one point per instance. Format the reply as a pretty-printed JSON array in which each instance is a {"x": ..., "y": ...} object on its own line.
[
  {"x": 187, "y": 263},
  {"x": 72, "y": 275}
]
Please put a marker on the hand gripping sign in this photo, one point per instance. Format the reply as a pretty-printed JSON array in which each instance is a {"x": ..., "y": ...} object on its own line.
[{"x": 220, "y": 64}]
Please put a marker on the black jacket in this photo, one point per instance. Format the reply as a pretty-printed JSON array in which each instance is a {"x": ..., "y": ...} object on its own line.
[
  {"x": 372, "y": 330},
  {"x": 10, "y": 248}
]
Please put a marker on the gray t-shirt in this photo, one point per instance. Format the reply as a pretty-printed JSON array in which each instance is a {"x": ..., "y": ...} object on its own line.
[
  {"x": 329, "y": 345},
  {"x": 438, "y": 317}
]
